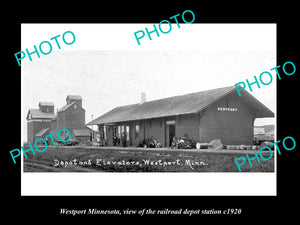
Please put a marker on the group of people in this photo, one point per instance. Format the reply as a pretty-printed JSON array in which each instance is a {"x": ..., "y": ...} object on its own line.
[
  {"x": 149, "y": 143},
  {"x": 183, "y": 143},
  {"x": 117, "y": 140}
]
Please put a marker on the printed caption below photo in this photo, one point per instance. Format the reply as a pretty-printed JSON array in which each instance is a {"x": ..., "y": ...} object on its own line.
[{"x": 148, "y": 211}]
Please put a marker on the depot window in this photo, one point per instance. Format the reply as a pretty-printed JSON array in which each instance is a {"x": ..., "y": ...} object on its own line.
[
  {"x": 137, "y": 130},
  {"x": 104, "y": 130}
]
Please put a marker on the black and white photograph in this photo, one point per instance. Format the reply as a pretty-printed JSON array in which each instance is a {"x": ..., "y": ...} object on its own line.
[{"x": 183, "y": 126}]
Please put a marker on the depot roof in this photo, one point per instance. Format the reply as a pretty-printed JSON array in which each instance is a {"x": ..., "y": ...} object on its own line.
[{"x": 178, "y": 105}]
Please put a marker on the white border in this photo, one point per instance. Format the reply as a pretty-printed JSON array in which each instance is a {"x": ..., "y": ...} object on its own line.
[{"x": 149, "y": 184}]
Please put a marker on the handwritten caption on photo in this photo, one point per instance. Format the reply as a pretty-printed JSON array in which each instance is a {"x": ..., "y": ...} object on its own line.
[{"x": 144, "y": 162}]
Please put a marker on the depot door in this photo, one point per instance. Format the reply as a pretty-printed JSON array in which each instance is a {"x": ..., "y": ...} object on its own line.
[{"x": 171, "y": 133}]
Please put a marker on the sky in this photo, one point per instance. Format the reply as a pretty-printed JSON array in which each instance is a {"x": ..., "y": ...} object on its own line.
[{"x": 112, "y": 75}]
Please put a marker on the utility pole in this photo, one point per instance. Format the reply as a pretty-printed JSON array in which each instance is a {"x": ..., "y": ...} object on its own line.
[{"x": 93, "y": 136}]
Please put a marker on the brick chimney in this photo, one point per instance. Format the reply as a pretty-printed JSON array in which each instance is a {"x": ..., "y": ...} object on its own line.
[{"x": 143, "y": 97}]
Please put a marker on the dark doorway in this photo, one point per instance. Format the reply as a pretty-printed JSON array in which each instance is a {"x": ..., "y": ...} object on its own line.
[
  {"x": 115, "y": 136},
  {"x": 144, "y": 130},
  {"x": 171, "y": 133}
]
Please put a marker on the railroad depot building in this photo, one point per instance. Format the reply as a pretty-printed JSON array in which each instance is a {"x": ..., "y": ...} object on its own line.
[
  {"x": 203, "y": 116},
  {"x": 71, "y": 116}
]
